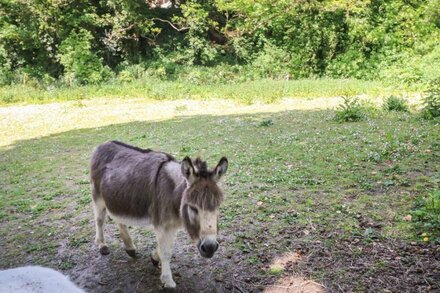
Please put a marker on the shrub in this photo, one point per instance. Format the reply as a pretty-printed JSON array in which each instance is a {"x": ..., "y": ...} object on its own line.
[
  {"x": 393, "y": 103},
  {"x": 412, "y": 68},
  {"x": 80, "y": 64},
  {"x": 272, "y": 62},
  {"x": 431, "y": 102},
  {"x": 350, "y": 110},
  {"x": 426, "y": 217},
  {"x": 199, "y": 50},
  {"x": 5, "y": 66},
  {"x": 128, "y": 73}
]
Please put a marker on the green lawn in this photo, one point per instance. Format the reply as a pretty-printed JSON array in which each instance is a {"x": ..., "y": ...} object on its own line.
[{"x": 297, "y": 180}]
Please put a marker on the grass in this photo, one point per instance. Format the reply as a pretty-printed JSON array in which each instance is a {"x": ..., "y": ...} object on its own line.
[
  {"x": 244, "y": 92},
  {"x": 291, "y": 165}
]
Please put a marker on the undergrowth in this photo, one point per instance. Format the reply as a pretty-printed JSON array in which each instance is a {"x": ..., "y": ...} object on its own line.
[
  {"x": 393, "y": 103},
  {"x": 426, "y": 217},
  {"x": 431, "y": 102},
  {"x": 350, "y": 110}
]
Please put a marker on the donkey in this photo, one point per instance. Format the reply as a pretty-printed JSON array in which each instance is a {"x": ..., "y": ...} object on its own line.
[{"x": 142, "y": 187}]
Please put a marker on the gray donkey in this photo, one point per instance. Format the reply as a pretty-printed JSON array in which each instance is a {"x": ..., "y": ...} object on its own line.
[{"x": 142, "y": 187}]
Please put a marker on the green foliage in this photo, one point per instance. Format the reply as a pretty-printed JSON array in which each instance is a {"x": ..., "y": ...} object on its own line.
[
  {"x": 80, "y": 41},
  {"x": 393, "y": 103},
  {"x": 350, "y": 110},
  {"x": 432, "y": 11},
  {"x": 198, "y": 49},
  {"x": 5, "y": 66},
  {"x": 130, "y": 73},
  {"x": 426, "y": 217},
  {"x": 413, "y": 68},
  {"x": 80, "y": 64},
  {"x": 271, "y": 62},
  {"x": 431, "y": 102}
]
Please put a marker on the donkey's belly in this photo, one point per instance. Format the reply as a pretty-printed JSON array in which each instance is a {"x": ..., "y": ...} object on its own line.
[{"x": 130, "y": 221}]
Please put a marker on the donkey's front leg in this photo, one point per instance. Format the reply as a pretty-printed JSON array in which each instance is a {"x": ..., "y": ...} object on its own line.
[{"x": 165, "y": 245}]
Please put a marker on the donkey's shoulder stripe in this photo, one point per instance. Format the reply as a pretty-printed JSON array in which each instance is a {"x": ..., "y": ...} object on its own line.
[{"x": 132, "y": 147}]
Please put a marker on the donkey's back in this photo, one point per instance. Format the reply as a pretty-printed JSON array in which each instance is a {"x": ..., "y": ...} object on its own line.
[
  {"x": 124, "y": 178},
  {"x": 108, "y": 154}
]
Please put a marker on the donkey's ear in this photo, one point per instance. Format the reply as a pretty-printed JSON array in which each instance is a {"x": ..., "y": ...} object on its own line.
[
  {"x": 220, "y": 169},
  {"x": 188, "y": 170}
]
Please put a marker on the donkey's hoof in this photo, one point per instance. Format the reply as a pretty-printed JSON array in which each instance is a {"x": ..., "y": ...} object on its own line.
[
  {"x": 104, "y": 250},
  {"x": 154, "y": 262},
  {"x": 131, "y": 252},
  {"x": 168, "y": 282}
]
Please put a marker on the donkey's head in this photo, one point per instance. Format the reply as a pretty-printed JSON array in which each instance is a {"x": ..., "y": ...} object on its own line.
[{"x": 201, "y": 201}]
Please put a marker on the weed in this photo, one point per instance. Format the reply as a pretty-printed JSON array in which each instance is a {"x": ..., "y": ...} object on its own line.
[
  {"x": 393, "y": 103},
  {"x": 431, "y": 102},
  {"x": 252, "y": 260},
  {"x": 84, "y": 200},
  {"x": 181, "y": 108},
  {"x": 275, "y": 270},
  {"x": 350, "y": 110},
  {"x": 66, "y": 265},
  {"x": 426, "y": 217},
  {"x": 266, "y": 123},
  {"x": 76, "y": 241},
  {"x": 290, "y": 218}
]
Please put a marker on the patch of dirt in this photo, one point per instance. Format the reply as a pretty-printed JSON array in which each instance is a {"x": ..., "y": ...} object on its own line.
[
  {"x": 295, "y": 285},
  {"x": 381, "y": 265},
  {"x": 118, "y": 272},
  {"x": 317, "y": 261},
  {"x": 310, "y": 265}
]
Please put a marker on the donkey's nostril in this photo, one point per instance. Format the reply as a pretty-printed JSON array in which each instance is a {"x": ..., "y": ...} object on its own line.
[{"x": 207, "y": 247}]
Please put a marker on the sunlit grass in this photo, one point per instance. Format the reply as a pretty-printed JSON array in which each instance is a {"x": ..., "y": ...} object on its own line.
[
  {"x": 266, "y": 91},
  {"x": 31, "y": 121}
]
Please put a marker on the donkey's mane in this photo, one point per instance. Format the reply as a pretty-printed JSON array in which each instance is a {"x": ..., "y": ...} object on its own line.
[
  {"x": 131, "y": 147},
  {"x": 144, "y": 151},
  {"x": 202, "y": 168}
]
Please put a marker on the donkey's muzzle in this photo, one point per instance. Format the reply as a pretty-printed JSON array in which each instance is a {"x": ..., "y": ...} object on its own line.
[{"x": 207, "y": 248}]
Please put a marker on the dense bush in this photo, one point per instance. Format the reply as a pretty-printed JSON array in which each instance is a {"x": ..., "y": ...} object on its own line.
[
  {"x": 80, "y": 64},
  {"x": 79, "y": 41}
]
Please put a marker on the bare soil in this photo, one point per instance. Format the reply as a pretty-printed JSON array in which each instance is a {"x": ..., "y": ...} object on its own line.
[{"x": 319, "y": 261}]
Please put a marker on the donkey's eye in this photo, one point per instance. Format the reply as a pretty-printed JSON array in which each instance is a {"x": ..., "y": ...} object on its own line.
[{"x": 194, "y": 210}]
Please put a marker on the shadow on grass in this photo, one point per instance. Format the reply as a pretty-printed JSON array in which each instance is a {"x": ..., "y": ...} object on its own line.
[{"x": 287, "y": 169}]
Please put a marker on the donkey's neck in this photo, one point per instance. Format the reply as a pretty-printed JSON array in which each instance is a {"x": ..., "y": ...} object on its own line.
[
  {"x": 178, "y": 183},
  {"x": 174, "y": 172}
]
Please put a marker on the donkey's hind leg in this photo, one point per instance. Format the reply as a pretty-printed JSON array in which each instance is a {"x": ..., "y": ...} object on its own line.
[
  {"x": 100, "y": 212},
  {"x": 129, "y": 246}
]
